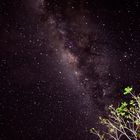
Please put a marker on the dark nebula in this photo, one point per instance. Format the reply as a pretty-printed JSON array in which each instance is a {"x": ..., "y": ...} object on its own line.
[{"x": 62, "y": 63}]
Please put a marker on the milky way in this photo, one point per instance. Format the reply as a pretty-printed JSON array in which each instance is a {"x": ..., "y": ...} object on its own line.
[
  {"x": 81, "y": 60},
  {"x": 62, "y": 63}
]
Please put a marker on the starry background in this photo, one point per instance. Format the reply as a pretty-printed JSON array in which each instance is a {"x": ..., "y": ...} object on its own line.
[{"x": 62, "y": 63}]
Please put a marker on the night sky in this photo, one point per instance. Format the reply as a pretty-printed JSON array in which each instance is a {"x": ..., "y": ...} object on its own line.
[{"x": 62, "y": 62}]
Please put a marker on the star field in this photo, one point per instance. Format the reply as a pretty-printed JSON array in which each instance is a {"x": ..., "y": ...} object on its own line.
[{"x": 62, "y": 63}]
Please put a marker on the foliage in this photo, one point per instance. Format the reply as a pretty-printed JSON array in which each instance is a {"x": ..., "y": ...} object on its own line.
[
  {"x": 122, "y": 122},
  {"x": 127, "y": 90}
]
